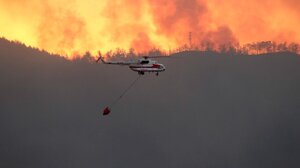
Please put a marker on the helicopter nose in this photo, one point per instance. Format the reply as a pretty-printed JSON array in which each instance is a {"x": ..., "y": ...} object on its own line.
[{"x": 163, "y": 67}]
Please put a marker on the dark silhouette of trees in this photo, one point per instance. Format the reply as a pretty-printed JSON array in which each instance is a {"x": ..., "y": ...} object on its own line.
[
  {"x": 294, "y": 47},
  {"x": 255, "y": 48},
  {"x": 264, "y": 47}
]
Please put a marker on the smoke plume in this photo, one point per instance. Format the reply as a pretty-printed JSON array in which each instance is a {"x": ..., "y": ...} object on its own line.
[{"x": 70, "y": 27}]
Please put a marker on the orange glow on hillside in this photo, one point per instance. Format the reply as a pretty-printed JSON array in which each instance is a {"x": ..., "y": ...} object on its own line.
[{"x": 70, "y": 27}]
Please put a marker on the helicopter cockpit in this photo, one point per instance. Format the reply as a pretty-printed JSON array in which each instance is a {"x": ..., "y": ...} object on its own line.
[{"x": 144, "y": 62}]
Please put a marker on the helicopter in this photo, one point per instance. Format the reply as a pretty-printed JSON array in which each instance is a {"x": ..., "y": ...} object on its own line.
[{"x": 141, "y": 66}]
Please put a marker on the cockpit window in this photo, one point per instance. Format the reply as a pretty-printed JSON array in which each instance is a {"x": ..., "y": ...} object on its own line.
[{"x": 144, "y": 62}]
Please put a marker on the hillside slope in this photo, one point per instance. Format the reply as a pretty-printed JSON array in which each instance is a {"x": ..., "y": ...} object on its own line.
[{"x": 206, "y": 110}]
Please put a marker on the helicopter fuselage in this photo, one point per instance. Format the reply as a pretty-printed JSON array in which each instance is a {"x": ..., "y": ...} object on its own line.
[
  {"x": 146, "y": 65},
  {"x": 141, "y": 66}
]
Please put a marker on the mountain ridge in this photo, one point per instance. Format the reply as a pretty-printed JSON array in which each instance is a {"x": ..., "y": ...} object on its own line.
[{"x": 205, "y": 110}]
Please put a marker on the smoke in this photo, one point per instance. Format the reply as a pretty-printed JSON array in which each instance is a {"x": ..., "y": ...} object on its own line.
[
  {"x": 70, "y": 27},
  {"x": 142, "y": 43},
  {"x": 61, "y": 30},
  {"x": 178, "y": 16},
  {"x": 258, "y": 20}
]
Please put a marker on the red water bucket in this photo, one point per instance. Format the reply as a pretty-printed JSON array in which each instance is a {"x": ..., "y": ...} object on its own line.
[{"x": 106, "y": 111}]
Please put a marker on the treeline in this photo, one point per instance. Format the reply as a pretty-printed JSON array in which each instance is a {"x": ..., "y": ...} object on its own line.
[
  {"x": 255, "y": 48},
  {"x": 269, "y": 47},
  {"x": 122, "y": 54}
]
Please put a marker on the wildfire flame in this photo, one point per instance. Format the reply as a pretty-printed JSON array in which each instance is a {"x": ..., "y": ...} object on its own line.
[{"x": 72, "y": 27}]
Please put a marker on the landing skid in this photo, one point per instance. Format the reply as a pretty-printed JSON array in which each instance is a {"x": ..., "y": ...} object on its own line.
[{"x": 143, "y": 73}]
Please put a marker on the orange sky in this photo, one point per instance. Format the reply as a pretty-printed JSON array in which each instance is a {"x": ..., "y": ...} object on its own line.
[{"x": 71, "y": 27}]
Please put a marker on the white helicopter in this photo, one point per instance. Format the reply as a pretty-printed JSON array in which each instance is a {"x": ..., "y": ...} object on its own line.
[{"x": 141, "y": 65}]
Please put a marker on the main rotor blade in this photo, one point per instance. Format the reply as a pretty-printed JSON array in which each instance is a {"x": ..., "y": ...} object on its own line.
[{"x": 159, "y": 56}]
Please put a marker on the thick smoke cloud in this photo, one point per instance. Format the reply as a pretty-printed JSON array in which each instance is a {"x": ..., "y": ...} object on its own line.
[
  {"x": 74, "y": 27},
  {"x": 61, "y": 30}
]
